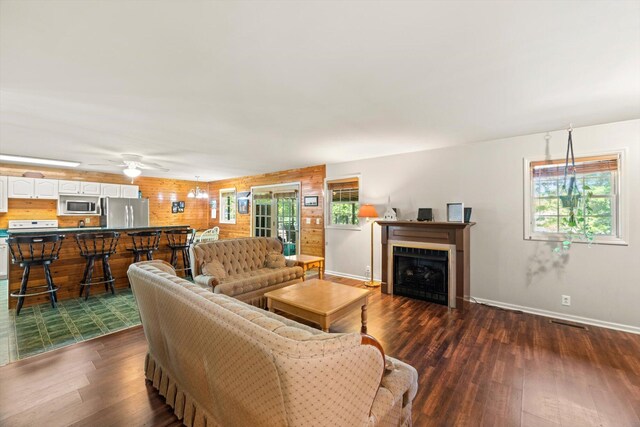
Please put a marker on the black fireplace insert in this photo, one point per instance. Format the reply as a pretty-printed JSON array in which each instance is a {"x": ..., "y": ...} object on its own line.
[{"x": 421, "y": 273}]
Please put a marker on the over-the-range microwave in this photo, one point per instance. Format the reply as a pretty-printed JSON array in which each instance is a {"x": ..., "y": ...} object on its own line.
[{"x": 81, "y": 207}]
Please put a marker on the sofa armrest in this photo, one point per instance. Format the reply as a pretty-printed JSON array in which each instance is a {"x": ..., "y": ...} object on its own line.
[
  {"x": 396, "y": 393},
  {"x": 291, "y": 263},
  {"x": 204, "y": 280},
  {"x": 160, "y": 265}
]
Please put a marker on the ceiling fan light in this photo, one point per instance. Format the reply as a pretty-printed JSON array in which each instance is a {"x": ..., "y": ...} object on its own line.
[{"x": 132, "y": 172}]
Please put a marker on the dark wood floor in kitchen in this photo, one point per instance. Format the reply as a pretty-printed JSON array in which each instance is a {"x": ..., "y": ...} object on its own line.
[{"x": 477, "y": 366}]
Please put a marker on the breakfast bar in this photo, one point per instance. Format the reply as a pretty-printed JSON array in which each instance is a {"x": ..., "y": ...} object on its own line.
[{"x": 67, "y": 271}]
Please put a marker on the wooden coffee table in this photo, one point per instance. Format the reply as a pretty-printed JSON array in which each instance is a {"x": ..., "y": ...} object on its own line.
[
  {"x": 307, "y": 262},
  {"x": 320, "y": 301}
]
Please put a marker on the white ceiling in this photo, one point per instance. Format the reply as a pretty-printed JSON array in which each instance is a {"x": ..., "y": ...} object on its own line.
[{"x": 222, "y": 89}]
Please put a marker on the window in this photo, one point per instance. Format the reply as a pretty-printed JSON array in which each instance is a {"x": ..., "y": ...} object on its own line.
[
  {"x": 228, "y": 206},
  {"x": 343, "y": 196},
  {"x": 547, "y": 216}
]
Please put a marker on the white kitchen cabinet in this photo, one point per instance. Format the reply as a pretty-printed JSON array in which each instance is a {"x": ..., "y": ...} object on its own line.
[
  {"x": 68, "y": 187},
  {"x": 79, "y": 187},
  {"x": 110, "y": 190},
  {"x": 90, "y": 188},
  {"x": 45, "y": 188},
  {"x": 32, "y": 188},
  {"x": 129, "y": 191},
  {"x": 4, "y": 198},
  {"x": 20, "y": 188}
]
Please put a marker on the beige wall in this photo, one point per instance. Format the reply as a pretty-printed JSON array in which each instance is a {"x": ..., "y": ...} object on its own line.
[{"x": 603, "y": 281}]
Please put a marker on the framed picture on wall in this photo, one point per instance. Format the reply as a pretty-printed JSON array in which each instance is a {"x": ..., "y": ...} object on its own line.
[
  {"x": 455, "y": 212},
  {"x": 243, "y": 206},
  {"x": 243, "y": 202},
  {"x": 311, "y": 201}
]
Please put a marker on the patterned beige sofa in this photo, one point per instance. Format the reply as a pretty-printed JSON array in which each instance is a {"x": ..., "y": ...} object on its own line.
[
  {"x": 221, "y": 362},
  {"x": 244, "y": 262}
]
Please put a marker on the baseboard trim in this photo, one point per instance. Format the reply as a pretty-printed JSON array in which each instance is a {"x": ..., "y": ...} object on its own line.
[
  {"x": 562, "y": 316},
  {"x": 348, "y": 276}
]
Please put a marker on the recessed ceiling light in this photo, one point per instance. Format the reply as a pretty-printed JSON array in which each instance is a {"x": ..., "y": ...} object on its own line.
[{"x": 37, "y": 161}]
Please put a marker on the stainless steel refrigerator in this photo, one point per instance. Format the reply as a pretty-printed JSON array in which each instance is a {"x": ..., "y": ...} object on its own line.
[{"x": 124, "y": 213}]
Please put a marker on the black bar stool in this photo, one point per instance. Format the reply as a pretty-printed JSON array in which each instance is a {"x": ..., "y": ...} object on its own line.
[
  {"x": 35, "y": 250},
  {"x": 97, "y": 246},
  {"x": 144, "y": 243},
  {"x": 179, "y": 242}
]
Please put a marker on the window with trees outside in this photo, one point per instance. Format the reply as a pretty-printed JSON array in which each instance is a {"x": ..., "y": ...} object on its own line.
[
  {"x": 228, "y": 206},
  {"x": 598, "y": 178},
  {"x": 344, "y": 201}
]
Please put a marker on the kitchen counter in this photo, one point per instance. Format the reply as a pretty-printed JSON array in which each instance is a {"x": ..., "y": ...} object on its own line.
[
  {"x": 65, "y": 230},
  {"x": 67, "y": 270}
]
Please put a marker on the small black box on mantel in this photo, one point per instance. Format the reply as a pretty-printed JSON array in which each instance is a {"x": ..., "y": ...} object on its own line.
[
  {"x": 467, "y": 214},
  {"x": 425, "y": 214}
]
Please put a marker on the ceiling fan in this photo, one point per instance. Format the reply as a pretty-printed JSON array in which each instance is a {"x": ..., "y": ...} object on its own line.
[{"x": 132, "y": 164}]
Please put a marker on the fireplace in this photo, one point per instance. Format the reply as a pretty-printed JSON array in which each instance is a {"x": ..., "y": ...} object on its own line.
[
  {"x": 452, "y": 237},
  {"x": 425, "y": 271},
  {"x": 421, "y": 273}
]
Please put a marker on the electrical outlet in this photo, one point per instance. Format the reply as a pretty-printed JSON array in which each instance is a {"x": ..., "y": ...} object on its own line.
[
  {"x": 317, "y": 221},
  {"x": 87, "y": 220},
  {"x": 367, "y": 270},
  {"x": 308, "y": 220},
  {"x": 566, "y": 300}
]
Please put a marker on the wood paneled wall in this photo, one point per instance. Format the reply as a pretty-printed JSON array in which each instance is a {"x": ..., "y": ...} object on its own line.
[
  {"x": 311, "y": 181},
  {"x": 160, "y": 191}
]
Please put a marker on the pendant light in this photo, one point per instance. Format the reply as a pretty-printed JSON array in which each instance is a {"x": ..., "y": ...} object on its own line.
[{"x": 197, "y": 193}]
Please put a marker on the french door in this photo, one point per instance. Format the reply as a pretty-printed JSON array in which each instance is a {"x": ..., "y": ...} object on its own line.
[{"x": 276, "y": 213}]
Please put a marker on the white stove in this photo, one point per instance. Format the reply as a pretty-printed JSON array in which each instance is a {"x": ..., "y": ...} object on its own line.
[{"x": 33, "y": 224}]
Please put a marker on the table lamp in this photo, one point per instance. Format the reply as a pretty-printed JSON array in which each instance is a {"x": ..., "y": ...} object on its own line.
[{"x": 369, "y": 211}]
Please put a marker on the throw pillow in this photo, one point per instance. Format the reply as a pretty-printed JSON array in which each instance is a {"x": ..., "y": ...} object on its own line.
[
  {"x": 275, "y": 260},
  {"x": 214, "y": 268}
]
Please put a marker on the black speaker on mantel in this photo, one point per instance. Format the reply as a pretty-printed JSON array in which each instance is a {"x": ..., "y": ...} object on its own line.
[{"x": 425, "y": 214}]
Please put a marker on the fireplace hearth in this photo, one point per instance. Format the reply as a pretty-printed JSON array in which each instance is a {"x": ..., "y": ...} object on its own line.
[{"x": 421, "y": 273}]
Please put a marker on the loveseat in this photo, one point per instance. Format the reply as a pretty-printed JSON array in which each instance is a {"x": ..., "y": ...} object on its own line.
[
  {"x": 221, "y": 362},
  {"x": 246, "y": 276}
]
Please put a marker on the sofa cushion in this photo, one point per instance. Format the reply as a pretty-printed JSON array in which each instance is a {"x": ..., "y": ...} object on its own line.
[
  {"x": 275, "y": 260},
  {"x": 243, "y": 283},
  {"x": 237, "y": 255},
  {"x": 214, "y": 268}
]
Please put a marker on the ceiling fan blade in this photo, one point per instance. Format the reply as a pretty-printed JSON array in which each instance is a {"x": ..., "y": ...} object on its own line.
[
  {"x": 131, "y": 158},
  {"x": 151, "y": 165},
  {"x": 156, "y": 168}
]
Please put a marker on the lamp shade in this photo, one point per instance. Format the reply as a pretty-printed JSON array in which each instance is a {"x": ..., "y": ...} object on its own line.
[{"x": 367, "y": 211}]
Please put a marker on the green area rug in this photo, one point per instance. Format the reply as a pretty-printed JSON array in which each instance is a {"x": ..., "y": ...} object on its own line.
[{"x": 41, "y": 328}]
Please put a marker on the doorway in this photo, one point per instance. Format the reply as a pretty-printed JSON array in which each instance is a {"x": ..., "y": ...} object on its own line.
[{"x": 276, "y": 213}]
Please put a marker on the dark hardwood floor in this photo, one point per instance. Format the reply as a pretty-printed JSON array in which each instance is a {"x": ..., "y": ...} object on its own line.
[{"x": 478, "y": 366}]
